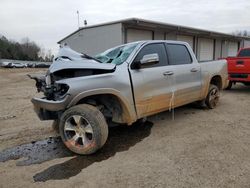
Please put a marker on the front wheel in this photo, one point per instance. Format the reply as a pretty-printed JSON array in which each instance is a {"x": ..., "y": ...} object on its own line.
[
  {"x": 213, "y": 96},
  {"x": 83, "y": 129}
]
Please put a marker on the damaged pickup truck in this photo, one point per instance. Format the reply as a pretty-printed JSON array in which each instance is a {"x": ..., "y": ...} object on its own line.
[{"x": 84, "y": 94}]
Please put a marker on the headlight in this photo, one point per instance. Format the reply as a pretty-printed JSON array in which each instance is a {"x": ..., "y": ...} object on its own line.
[
  {"x": 59, "y": 90},
  {"x": 56, "y": 91}
]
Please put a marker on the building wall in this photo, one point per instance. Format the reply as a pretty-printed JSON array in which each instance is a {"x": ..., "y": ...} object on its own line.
[
  {"x": 224, "y": 48},
  {"x": 133, "y": 35},
  {"x": 217, "y": 51},
  {"x": 205, "y": 49},
  {"x": 233, "y": 48},
  {"x": 95, "y": 40},
  {"x": 218, "y": 47},
  {"x": 187, "y": 38},
  {"x": 246, "y": 43},
  {"x": 159, "y": 35},
  {"x": 226, "y": 44},
  {"x": 170, "y": 36}
]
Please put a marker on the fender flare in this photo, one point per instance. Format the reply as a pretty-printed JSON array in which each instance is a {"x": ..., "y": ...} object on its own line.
[{"x": 129, "y": 115}]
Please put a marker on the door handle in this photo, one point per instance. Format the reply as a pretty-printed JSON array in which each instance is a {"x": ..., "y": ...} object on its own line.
[
  {"x": 168, "y": 73},
  {"x": 193, "y": 70}
]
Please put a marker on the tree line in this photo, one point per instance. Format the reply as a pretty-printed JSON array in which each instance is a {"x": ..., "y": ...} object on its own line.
[
  {"x": 24, "y": 50},
  {"x": 241, "y": 33}
]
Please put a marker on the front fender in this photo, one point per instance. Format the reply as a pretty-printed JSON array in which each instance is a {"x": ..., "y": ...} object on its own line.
[{"x": 128, "y": 109}]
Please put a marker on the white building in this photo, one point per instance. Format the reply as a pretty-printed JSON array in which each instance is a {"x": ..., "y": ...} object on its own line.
[{"x": 207, "y": 45}]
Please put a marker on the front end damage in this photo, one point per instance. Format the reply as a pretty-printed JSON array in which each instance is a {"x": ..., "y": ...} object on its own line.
[{"x": 54, "y": 85}]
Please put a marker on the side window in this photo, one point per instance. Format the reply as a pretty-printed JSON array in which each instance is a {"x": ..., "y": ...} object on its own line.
[
  {"x": 178, "y": 54},
  {"x": 151, "y": 49}
]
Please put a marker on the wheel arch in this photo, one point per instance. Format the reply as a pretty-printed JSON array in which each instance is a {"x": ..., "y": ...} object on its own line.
[
  {"x": 217, "y": 81},
  {"x": 122, "y": 111},
  {"x": 208, "y": 80}
]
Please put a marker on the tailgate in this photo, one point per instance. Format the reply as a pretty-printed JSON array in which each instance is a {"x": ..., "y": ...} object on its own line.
[{"x": 238, "y": 65}]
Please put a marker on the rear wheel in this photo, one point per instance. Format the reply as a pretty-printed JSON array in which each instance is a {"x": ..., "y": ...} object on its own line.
[
  {"x": 83, "y": 129},
  {"x": 213, "y": 96}
]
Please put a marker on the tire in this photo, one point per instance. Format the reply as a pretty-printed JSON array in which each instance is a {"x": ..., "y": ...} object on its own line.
[
  {"x": 230, "y": 84},
  {"x": 83, "y": 129},
  {"x": 213, "y": 96}
]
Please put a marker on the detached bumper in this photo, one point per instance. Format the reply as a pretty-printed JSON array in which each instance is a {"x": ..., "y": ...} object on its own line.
[{"x": 48, "y": 109}]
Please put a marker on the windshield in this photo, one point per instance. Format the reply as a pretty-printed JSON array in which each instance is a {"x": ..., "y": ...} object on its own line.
[
  {"x": 244, "y": 53},
  {"x": 117, "y": 55}
]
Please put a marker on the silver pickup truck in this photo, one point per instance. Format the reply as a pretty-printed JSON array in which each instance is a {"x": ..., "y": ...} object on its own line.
[{"x": 85, "y": 94}]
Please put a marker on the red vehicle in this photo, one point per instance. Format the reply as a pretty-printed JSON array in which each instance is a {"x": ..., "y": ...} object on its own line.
[{"x": 239, "y": 68}]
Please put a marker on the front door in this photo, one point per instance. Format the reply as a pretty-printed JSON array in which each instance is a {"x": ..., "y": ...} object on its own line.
[{"x": 152, "y": 84}]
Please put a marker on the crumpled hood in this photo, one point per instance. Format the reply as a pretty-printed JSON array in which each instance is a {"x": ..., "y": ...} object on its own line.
[
  {"x": 70, "y": 59},
  {"x": 79, "y": 64}
]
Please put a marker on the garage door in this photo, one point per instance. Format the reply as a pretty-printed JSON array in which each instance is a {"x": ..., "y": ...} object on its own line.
[
  {"x": 188, "y": 39},
  {"x": 206, "y": 49},
  {"x": 246, "y": 43},
  {"x": 232, "y": 48},
  {"x": 136, "y": 35}
]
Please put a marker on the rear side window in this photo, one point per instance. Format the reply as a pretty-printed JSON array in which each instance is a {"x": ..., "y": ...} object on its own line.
[
  {"x": 178, "y": 54},
  {"x": 152, "y": 49},
  {"x": 244, "y": 53}
]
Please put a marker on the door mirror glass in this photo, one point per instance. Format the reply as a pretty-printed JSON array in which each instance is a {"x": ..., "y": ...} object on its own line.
[{"x": 150, "y": 59}]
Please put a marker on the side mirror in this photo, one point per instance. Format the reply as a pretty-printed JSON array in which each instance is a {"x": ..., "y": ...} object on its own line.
[{"x": 149, "y": 59}]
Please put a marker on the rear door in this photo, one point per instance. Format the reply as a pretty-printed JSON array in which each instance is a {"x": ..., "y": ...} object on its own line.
[
  {"x": 187, "y": 74},
  {"x": 152, "y": 84}
]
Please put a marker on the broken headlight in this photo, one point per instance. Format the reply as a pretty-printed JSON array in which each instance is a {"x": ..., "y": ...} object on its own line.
[{"x": 56, "y": 91}]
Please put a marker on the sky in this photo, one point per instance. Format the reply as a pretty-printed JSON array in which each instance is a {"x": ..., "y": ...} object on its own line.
[{"x": 48, "y": 21}]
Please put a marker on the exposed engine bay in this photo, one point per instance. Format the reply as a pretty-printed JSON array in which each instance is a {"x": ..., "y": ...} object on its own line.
[{"x": 68, "y": 64}]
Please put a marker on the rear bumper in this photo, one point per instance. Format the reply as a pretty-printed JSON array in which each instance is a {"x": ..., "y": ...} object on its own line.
[
  {"x": 48, "y": 109},
  {"x": 239, "y": 77}
]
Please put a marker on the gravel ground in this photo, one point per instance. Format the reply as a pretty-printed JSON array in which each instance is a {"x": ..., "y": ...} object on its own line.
[{"x": 199, "y": 148}]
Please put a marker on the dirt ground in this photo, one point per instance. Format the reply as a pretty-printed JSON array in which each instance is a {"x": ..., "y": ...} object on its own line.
[{"x": 200, "y": 148}]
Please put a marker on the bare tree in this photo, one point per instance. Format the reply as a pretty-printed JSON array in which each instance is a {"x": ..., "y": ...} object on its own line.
[
  {"x": 242, "y": 33},
  {"x": 25, "y": 50}
]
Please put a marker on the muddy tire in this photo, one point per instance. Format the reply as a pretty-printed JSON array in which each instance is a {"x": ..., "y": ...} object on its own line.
[
  {"x": 83, "y": 129},
  {"x": 213, "y": 96},
  {"x": 55, "y": 125},
  {"x": 230, "y": 84}
]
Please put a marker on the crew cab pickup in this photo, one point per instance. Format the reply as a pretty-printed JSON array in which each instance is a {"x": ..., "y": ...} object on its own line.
[
  {"x": 85, "y": 94},
  {"x": 239, "y": 68}
]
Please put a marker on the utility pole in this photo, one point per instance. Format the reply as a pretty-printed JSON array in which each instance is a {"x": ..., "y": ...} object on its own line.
[{"x": 78, "y": 19}]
